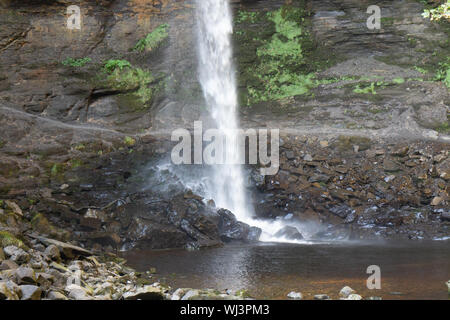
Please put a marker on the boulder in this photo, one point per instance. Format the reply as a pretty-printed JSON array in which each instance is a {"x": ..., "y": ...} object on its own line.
[
  {"x": 52, "y": 253},
  {"x": 14, "y": 207},
  {"x": 30, "y": 292},
  {"x": 290, "y": 233},
  {"x": 230, "y": 229},
  {"x": 77, "y": 292},
  {"x": 68, "y": 250},
  {"x": 145, "y": 293},
  {"x": 179, "y": 293},
  {"x": 8, "y": 265},
  {"x": 345, "y": 292},
  {"x": 9, "y": 290},
  {"x": 25, "y": 275},
  {"x": 55, "y": 295},
  {"x": 16, "y": 254}
]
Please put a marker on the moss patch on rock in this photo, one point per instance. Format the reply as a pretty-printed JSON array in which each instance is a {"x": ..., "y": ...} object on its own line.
[
  {"x": 121, "y": 75},
  {"x": 277, "y": 55},
  {"x": 154, "y": 39},
  {"x": 8, "y": 239},
  {"x": 41, "y": 224}
]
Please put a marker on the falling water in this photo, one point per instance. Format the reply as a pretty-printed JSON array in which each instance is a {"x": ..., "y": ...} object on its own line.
[
  {"x": 226, "y": 184},
  {"x": 219, "y": 88}
]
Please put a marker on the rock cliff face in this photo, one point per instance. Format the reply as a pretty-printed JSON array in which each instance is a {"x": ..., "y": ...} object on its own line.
[{"x": 83, "y": 111}]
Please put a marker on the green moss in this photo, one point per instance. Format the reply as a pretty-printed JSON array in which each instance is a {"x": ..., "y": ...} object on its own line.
[
  {"x": 154, "y": 39},
  {"x": 56, "y": 169},
  {"x": 41, "y": 224},
  {"x": 243, "y": 293},
  {"x": 121, "y": 75},
  {"x": 114, "y": 64},
  {"x": 346, "y": 143},
  {"x": 246, "y": 16},
  {"x": 420, "y": 69},
  {"x": 80, "y": 147},
  {"x": 443, "y": 72},
  {"x": 75, "y": 163},
  {"x": 280, "y": 57},
  {"x": 387, "y": 21},
  {"x": 7, "y": 239},
  {"x": 129, "y": 141},
  {"x": 365, "y": 89},
  {"x": 444, "y": 128},
  {"x": 277, "y": 55},
  {"x": 71, "y": 62},
  {"x": 398, "y": 80}
]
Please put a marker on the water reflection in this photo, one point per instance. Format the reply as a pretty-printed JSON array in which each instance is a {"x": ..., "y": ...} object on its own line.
[{"x": 417, "y": 270}]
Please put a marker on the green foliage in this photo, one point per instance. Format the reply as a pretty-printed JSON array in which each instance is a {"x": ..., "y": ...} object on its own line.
[
  {"x": 398, "y": 80},
  {"x": 76, "y": 63},
  {"x": 111, "y": 65},
  {"x": 246, "y": 16},
  {"x": 129, "y": 141},
  {"x": 154, "y": 39},
  {"x": 440, "y": 12},
  {"x": 366, "y": 89},
  {"x": 123, "y": 76},
  {"x": 7, "y": 239},
  {"x": 421, "y": 70},
  {"x": 279, "y": 60},
  {"x": 56, "y": 169},
  {"x": 443, "y": 72},
  {"x": 444, "y": 128}
]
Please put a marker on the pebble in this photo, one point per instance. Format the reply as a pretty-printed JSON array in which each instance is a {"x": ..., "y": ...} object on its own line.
[{"x": 295, "y": 295}]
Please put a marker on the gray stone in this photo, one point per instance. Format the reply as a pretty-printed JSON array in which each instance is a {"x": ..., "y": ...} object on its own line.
[
  {"x": 321, "y": 297},
  {"x": 295, "y": 295},
  {"x": 8, "y": 265},
  {"x": 290, "y": 233},
  {"x": 179, "y": 293},
  {"x": 354, "y": 296},
  {"x": 230, "y": 229},
  {"x": 16, "y": 254},
  {"x": 145, "y": 293},
  {"x": 25, "y": 275},
  {"x": 190, "y": 294},
  {"x": 52, "y": 252},
  {"x": 77, "y": 292},
  {"x": 55, "y": 295},
  {"x": 345, "y": 292},
  {"x": 30, "y": 292},
  {"x": 9, "y": 290}
]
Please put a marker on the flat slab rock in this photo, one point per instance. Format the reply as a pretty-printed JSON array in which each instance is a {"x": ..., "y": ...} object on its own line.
[{"x": 65, "y": 248}]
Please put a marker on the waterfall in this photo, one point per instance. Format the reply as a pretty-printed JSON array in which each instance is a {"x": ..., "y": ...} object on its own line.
[
  {"x": 217, "y": 78},
  {"x": 226, "y": 185}
]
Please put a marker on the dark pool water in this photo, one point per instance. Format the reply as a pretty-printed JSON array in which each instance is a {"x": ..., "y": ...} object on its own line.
[{"x": 411, "y": 270}]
